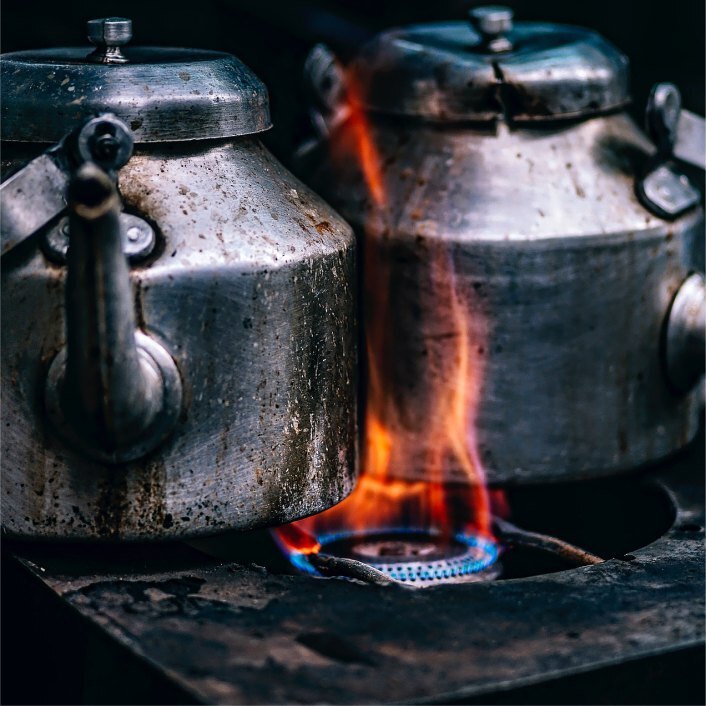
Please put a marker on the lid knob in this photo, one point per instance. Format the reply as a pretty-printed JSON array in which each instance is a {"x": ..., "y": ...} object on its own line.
[
  {"x": 492, "y": 22},
  {"x": 109, "y": 34}
]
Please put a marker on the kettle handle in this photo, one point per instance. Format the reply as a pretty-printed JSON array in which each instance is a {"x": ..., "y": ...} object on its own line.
[
  {"x": 113, "y": 392},
  {"x": 325, "y": 84},
  {"x": 678, "y": 134},
  {"x": 36, "y": 194}
]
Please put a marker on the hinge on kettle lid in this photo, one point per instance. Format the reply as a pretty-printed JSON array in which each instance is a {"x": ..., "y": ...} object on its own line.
[{"x": 678, "y": 134}]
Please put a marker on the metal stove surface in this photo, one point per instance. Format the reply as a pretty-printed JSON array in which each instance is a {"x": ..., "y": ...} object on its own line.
[{"x": 221, "y": 632}]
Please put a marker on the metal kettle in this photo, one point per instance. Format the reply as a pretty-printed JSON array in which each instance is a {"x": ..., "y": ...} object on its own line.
[
  {"x": 178, "y": 310},
  {"x": 496, "y": 164}
]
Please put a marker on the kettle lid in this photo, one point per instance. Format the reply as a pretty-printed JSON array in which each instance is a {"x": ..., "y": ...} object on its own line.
[
  {"x": 162, "y": 94},
  {"x": 490, "y": 68}
]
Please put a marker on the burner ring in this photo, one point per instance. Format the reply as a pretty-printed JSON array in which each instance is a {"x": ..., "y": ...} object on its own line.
[{"x": 413, "y": 556}]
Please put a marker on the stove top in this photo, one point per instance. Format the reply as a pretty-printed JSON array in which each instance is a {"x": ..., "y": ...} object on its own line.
[{"x": 215, "y": 625}]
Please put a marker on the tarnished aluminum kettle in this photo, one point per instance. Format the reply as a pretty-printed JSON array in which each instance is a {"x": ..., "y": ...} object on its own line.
[
  {"x": 178, "y": 319},
  {"x": 524, "y": 242}
]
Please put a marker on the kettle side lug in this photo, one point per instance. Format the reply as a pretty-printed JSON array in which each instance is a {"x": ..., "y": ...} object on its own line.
[{"x": 685, "y": 335}]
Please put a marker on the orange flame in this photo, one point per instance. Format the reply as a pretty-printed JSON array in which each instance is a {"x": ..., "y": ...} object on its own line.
[
  {"x": 454, "y": 332},
  {"x": 295, "y": 538},
  {"x": 364, "y": 150}
]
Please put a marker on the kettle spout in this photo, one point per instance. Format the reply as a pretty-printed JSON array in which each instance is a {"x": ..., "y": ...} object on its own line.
[{"x": 113, "y": 391}]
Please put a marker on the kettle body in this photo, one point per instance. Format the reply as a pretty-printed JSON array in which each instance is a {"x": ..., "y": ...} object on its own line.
[
  {"x": 503, "y": 186},
  {"x": 249, "y": 286}
]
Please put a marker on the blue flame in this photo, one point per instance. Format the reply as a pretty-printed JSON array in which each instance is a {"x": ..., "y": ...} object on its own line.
[{"x": 412, "y": 571}]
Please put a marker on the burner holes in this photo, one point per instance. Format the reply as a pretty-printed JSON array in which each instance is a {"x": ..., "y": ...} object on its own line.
[
  {"x": 690, "y": 527},
  {"x": 626, "y": 557}
]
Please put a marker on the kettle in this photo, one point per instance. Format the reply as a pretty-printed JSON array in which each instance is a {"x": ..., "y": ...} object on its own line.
[
  {"x": 489, "y": 166},
  {"x": 178, "y": 313}
]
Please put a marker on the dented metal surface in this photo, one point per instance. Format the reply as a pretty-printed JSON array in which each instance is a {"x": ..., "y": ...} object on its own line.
[{"x": 251, "y": 288}]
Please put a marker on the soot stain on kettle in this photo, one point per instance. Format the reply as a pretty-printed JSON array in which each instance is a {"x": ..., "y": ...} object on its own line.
[
  {"x": 131, "y": 501},
  {"x": 40, "y": 497},
  {"x": 314, "y": 472},
  {"x": 111, "y": 505},
  {"x": 149, "y": 505}
]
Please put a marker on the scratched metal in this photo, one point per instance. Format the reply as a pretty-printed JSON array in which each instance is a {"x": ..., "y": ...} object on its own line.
[
  {"x": 229, "y": 634},
  {"x": 161, "y": 94},
  {"x": 251, "y": 289}
]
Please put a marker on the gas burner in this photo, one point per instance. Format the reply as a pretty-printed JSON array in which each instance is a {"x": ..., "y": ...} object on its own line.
[{"x": 411, "y": 556}]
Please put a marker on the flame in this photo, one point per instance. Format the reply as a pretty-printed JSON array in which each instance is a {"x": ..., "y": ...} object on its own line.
[
  {"x": 294, "y": 537},
  {"x": 363, "y": 149},
  {"x": 499, "y": 504},
  {"x": 454, "y": 330}
]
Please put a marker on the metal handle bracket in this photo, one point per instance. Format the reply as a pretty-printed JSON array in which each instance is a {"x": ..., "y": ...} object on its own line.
[
  {"x": 36, "y": 194},
  {"x": 664, "y": 189}
]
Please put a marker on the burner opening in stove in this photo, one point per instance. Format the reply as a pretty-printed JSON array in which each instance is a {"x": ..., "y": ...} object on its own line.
[
  {"x": 408, "y": 555},
  {"x": 611, "y": 518}
]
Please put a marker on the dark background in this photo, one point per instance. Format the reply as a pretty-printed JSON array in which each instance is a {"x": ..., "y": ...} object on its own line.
[{"x": 664, "y": 40}]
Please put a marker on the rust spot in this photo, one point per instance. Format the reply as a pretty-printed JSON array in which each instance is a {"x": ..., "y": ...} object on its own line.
[
  {"x": 323, "y": 227},
  {"x": 222, "y": 453}
]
